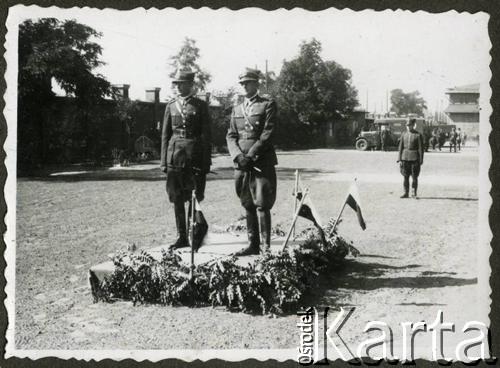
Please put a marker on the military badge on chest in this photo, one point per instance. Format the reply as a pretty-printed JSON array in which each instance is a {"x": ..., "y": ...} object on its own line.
[{"x": 251, "y": 116}]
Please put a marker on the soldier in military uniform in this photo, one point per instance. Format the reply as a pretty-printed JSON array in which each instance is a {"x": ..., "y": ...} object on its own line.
[
  {"x": 185, "y": 150},
  {"x": 249, "y": 140},
  {"x": 384, "y": 137},
  {"x": 410, "y": 158},
  {"x": 453, "y": 140}
]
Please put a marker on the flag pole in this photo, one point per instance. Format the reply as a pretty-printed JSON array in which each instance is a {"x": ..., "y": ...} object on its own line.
[
  {"x": 296, "y": 188},
  {"x": 294, "y": 220},
  {"x": 191, "y": 232},
  {"x": 341, "y": 210},
  {"x": 338, "y": 218}
]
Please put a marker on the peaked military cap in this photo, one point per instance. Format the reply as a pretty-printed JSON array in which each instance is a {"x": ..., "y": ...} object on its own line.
[
  {"x": 183, "y": 76},
  {"x": 249, "y": 75}
]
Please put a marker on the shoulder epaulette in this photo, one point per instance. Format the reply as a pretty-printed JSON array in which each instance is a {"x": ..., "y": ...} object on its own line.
[{"x": 197, "y": 99}]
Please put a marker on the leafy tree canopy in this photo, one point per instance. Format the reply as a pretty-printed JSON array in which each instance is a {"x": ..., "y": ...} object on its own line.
[
  {"x": 407, "y": 103},
  {"x": 49, "y": 48},
  {"x": 66, "y": 52},
  {"x": 315, "y": 90},
  {"x": 187, "y": 59}
]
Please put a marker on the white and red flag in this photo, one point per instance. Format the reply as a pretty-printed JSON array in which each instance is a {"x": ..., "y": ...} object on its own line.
[{"x": 354, "y": 202}]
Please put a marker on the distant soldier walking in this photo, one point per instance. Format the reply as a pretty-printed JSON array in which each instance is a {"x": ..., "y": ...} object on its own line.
[
  {"x": 249, "y": 140},
  {"x": 410, "y": 158},
  {"x": 185, "y": 150},
  {"x": 426, "y": 137},
  {"x": 453, "y": 140},
  {"x": 384, "y": 137},
  {"x": 441, "y": 138},
  {"x": 459, "y": 138},
  {"x": 434, "y": 139}
]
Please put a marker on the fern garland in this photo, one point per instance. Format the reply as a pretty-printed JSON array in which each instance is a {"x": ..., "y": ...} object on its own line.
[{"x": 273, "y": 284}]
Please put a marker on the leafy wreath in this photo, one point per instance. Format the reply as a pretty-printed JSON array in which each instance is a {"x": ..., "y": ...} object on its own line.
[{"x": 272, "y": 284}]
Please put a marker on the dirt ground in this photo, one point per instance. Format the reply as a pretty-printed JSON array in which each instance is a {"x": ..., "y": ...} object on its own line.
[{"x": 417, "y": 256}]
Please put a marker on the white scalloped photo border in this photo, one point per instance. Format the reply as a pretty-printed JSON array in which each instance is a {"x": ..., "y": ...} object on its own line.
[{"x": 19, "y": 13}]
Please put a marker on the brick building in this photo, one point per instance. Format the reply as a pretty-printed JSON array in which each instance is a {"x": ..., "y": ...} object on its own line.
[{"x": 132, "y": 126}]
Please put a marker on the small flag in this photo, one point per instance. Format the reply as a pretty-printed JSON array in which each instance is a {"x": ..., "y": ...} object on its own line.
[
  {"x": 308, "y": 211},
  {"x": 200, "y": 226},
  {"x": 354, "y": 202}
]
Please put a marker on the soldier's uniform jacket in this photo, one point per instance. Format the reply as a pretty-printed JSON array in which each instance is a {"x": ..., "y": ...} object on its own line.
[
  {"x": 411, "y": 147},
  {"x": 251, "y": 129},
  {"x": 186, "y": 135},
  {"x": 453, "y": 137}
]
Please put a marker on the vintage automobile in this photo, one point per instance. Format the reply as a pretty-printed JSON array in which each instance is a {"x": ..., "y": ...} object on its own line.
[{"x": 371, "y": 139}]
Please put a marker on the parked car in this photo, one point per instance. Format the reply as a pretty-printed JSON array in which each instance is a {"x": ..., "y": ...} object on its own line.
[{"x": 371, "y": 139}]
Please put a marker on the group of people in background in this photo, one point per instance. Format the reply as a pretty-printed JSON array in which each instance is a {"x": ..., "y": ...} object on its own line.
[
  {"x": 435, "y": 139},
  {"x": 456, "y": 138}
]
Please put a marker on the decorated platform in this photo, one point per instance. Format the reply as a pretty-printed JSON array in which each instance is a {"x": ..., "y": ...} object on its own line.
[{"x": 215, "y": 246}]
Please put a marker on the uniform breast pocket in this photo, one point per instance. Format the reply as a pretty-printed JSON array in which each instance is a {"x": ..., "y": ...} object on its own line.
[
  {"x": 191, "y": 116},
  {"x": 255, "y": 119},
  {"x": 239, "y": 122},
  {"x": 177, "y": 120}
]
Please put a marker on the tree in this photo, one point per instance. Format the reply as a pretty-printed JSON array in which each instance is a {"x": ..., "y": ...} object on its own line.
[
  {"x": 407, "y": 103},
  {"x": 312, "y": 92},
  {"x": 221, "y": 115},
  {"x": 268, "y": 83},
  {"x": 186, "y": 59},
  {"x": 62, "y": 51}
]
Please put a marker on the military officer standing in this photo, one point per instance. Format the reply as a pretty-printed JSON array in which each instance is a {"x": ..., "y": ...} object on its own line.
[
  {"x": 185, "y": 150},
  {"x": 249, "y": 140},
  {"x": 411, "y": 157}
]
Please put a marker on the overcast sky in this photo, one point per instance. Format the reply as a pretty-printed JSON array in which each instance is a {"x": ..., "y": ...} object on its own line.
[{"x": 384, "y": 50}]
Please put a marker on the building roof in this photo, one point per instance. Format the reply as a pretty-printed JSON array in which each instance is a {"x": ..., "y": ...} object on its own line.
[
  {"x": 469, "y": 88},
  {"x": 462, "y": 108}
]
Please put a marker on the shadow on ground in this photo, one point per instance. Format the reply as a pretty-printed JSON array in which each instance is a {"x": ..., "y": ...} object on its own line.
[
  {"x": 153, "y": 174},
  {"x": 370, "y": 276},
  {"x": 353, "y": 275},
  {"x": 450, "y": 198}
]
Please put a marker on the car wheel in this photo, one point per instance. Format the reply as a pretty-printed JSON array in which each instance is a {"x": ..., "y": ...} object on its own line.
[{"x": 361, "y": 145}]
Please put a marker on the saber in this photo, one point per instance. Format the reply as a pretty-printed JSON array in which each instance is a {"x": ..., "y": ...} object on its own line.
[
  {"x": 296, "y": 188},
  {"x": 191, "y": 231},
  {"x": 295, "y": 217}
]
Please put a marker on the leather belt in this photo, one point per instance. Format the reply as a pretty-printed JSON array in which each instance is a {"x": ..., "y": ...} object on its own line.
[
  {"x": 249, "y": 136},
  {"x": 183, "y": 133}
]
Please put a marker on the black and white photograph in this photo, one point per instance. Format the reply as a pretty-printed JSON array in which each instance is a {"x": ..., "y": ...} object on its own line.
[{"x": 234, "y": 184}]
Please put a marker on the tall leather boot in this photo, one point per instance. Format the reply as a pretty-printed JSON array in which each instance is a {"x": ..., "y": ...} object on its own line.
[
  {"x": 414, "y": 193},
  {"x": 180, "y": 223},
  {"x": 414, "y": 187},
  {"x": 406, "y": 187},
  {"x": 253, "y": 235},
  {"x": 265, "y": 229}
]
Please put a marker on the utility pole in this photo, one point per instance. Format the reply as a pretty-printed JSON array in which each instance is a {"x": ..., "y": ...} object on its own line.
[
  {"x": 367, "y": 108},
  {"x": 387, "y": 100},
  {"x": 440, "y": 105},
  {"x": 267, "y": 79}
]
